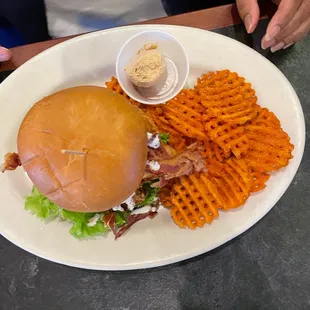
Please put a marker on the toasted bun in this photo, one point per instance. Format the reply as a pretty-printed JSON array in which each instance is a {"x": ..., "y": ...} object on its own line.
[{"x": 92, "y": 119}]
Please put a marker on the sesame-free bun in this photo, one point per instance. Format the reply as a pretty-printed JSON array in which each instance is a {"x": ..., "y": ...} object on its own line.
[{"x": 90, "y": 119}]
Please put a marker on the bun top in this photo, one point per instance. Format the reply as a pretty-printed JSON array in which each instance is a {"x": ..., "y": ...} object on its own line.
[{"x": 109, "y": 136}]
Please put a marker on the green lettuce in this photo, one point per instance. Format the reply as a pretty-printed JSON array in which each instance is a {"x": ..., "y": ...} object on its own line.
[
  {"x": 150, "y": 192},
  {"x": 40, "y": 206},
  {"x": 164, "y": 137},
  {"x": 80, "y": 220},
  {"x": 44, "y": 209},
  {"x": 121, "y": 217}
]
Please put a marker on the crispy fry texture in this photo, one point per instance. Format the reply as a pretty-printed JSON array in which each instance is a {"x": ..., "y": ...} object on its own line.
[
  {"x": 195, "y": 201},
  {"x": 240, "y": 142},
  {"x": 231, "y": 138},
  {"x": 270, "y": 147},
  {"x": 259, "y": 180},
  {"x": 183, "y": 115},
  {"x": 227, "y": 97}
]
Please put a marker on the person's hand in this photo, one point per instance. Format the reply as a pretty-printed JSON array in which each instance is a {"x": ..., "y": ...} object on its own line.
[
  {"x": 290, "y": 23},
  {"x": 5, "y": 54}
]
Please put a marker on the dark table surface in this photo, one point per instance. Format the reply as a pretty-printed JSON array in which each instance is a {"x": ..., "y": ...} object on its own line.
[{"x": 268, "y": 267}]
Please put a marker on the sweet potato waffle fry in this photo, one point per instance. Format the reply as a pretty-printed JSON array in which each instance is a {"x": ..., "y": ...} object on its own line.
[
  {"x": 162, "y": 124},
  {"x": 265, "y": 118},
  {"x": 228, "y": 136},
  {"x": 240, "y": 141},
  {"x": 212, "y": 151},
  {"x": 197, "y": 198},
  {"x": 195, "y": 201},
  {"x": 223, "y": 84},
  {"x": 259, "y": 181},
  {"x": 270, "y": 146},
  {"x": 227, "y": 97},
  {"x": 234, "y": 183},
  {"x": 183, "y": 115}
]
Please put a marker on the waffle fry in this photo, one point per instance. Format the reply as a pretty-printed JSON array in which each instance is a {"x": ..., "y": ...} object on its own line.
[
  {"x": 234, "y": 182},
  {"x": 238, "y": 112},
  {"x": 229, "y": 137},
  {"x": 215, "y": 168},
  {"x": 227, "y": 97},
  {"x": 163, "y": 125},
  {"x": 195, "y": 201},
  {"x": 270, "y": 146},
  {"x": 259, "y": 181},
  {"x": 223, "y": 84},
  {"x": 183, "y": 115},
  {"x": 197, "y": 198},
  {"x": 214, "y": 151},
  {"x": 176, "y": 140},
  {"x": 216, "y": 79},
  {"x": 265, "y": 118}
]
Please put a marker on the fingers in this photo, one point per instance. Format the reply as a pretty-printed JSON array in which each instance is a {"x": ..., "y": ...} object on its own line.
[
  {"x": 5, "y": 54},
  {"x": 249, "y": 13},
  {"x": 294, "y": 30},
  {"x": 297, "y": 35},
  {"x": 285, "y": 13}
]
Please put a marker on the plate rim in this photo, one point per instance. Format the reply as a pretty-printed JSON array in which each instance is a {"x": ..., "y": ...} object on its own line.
[{"x": 238, "y": 231}]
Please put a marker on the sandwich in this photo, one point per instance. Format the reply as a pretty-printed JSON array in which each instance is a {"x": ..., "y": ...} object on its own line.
[{"x": 96, "y": 160}]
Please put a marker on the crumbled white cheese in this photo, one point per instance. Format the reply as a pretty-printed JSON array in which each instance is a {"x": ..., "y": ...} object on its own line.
[
  {"x": 118, "y": 208},
  {"x": 129, "y": 202},
  {"x": 153, "y": 141},
  {"x": 149, "y": 136},
  {"x": 142, "y": 210},
  {"x": 154, "y": 209},
  {"x": 154, "y": 165},
  {"x": 93, "y": 221}
]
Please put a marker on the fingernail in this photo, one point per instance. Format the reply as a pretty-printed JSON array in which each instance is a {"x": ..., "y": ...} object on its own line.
[
  {"x": 248, "y": 23},
  {"x": 272, "y": 33},
  {"x": 277, "y": 47},
  {"x": 5, "y": 54},
  {"x": 267, "y": 44},
  {"x": 288, "y": 45}
]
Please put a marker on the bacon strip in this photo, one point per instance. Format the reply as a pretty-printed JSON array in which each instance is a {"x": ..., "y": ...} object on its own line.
[
  {"x": 174, "y": 165},
  {"x": 163, "y": 152},
  {"x": 11, "y": 162},
  {"x": 109, "y": 220}
]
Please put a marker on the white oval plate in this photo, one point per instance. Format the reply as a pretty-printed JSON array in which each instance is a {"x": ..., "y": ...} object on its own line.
[{"x": 90, "y": 59}]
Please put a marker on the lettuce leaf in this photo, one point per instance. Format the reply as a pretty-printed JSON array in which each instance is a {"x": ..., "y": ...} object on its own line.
[
  {"x": 164, "y": 137},
  {"x": 80, "y": 221},
  {"x": 44, "y": 209},
  {"x": 121, "y": 217},
  {"x": 40, "y": 206},
  {"x": 150, "y": 192}
]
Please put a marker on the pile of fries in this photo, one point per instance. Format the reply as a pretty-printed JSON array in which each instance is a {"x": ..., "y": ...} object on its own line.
[{"x": 242, "y": 143}]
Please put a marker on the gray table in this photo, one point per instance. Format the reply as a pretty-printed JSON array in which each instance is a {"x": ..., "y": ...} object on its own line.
[{"x": 267, "y": 267}]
